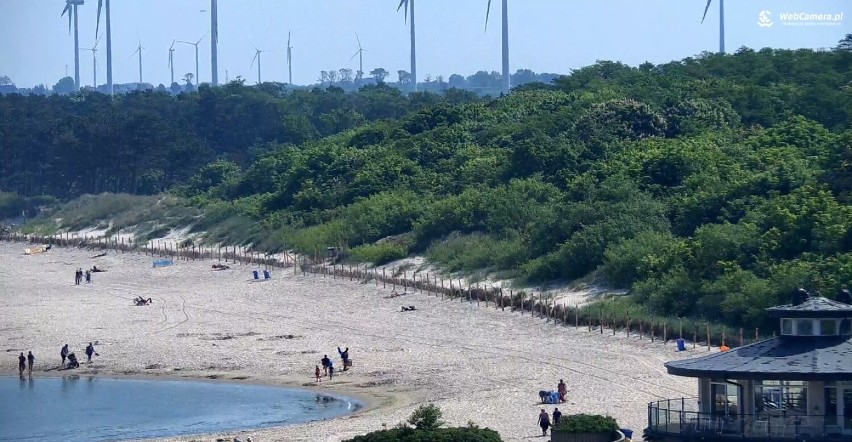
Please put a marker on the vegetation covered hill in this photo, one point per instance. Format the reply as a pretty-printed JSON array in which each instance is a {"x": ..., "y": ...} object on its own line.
[{"x": 711, "y": 186}]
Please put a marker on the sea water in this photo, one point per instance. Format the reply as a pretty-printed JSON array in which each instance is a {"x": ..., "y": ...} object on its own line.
[{"x": 86, "y": 408}]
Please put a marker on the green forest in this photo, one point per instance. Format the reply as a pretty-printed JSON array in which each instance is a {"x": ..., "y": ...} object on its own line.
[{"x": 710, "y": 187}]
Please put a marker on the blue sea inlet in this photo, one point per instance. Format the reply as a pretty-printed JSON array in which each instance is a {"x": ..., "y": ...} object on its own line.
[{"x": 83, "y": 408}]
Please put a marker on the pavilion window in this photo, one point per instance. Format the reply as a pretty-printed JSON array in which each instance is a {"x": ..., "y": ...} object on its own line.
[
  {"x": 828, "y": 327},
  {"x": 786, "y": 326},
  {"x": 805, "y": 327},
  {"x": 724, "y": 398},
  {"x": 846, "y": 327},
  {"x": 781, "y": 397}
]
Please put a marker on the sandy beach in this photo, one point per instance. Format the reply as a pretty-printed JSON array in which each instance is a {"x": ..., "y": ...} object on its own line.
[{"x": 478, "y": 364}]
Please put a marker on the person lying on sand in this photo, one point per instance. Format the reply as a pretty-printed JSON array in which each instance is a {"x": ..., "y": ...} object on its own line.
[
  {"x": 101, "y": 255},
  {"x": 142, "y": 301},
  {"x": 220, "y": 267},
  {"x": 95, "y": 269},
  {"x": 409, "y": 308}
]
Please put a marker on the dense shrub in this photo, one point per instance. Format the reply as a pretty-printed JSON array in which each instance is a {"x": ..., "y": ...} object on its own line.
[{"x": 586, "y": 423}]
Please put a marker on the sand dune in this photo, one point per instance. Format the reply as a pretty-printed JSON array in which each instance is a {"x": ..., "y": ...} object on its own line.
[{"x": 478, "y": 364}]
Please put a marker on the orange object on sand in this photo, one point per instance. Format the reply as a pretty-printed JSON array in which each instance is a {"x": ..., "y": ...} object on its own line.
[{"x": 724, "y": 348}]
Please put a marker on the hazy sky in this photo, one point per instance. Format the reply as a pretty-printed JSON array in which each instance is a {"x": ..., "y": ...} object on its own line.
[{"x": 545, "y": 35}]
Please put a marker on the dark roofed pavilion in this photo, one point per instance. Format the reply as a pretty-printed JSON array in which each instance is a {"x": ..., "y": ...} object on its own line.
[{"x": 797, "y": 386}]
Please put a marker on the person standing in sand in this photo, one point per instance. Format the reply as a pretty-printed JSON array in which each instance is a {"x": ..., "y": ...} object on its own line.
[
  {"x": 90, "y": 350},
  {"x": 330, "y": 371},
  {"x": 30, "y": 361},
  {"x": 317, "y": 374},
  {"x": 557, "y": 416},
  {"x": 344, "y": 355},
  {"x": 64, "y": 354},
  {"x": 22, "y": 364},
  {"x": 543, "y": 422},
  {"x": 88, "y": 277},
  {"x": 562, "y": 389},
  {"x": 325, "y": 363}
]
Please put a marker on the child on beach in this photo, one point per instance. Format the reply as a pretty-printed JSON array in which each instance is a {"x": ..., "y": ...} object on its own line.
[
  {"x": 22, "y": 364},
  {"x": 317, "y": 374},
  {"x": 330, "y": 370},
  {"x": 30, "y": 361}
]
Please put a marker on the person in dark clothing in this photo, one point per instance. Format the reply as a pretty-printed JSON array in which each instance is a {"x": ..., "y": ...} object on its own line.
[
  {"x": 78, "y": 275},
  {"x": 88, "y": 276},
  {"x": 562, "y": 389},
  {"x": 30, "y": 361},
  {"x": 326, "y": 362},
  {"x": 64, "y": 354},
  {"x": 345, "y": 356},
  {"x": 90, "y": 350},
  {"x": 72, "y": 361},
  {"x": 543, "y": 422},
  {"x": 557, "y": 416},
  {"x": 331, "y": 371},
  {"x": 22, "y": 364}
]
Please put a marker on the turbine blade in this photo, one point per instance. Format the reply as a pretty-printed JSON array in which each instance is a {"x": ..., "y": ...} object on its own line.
[
  {"x": 359, "y": 40},
  {"x": 98, "y": 25},
  {"x": 487, "y": 14},
  {"x": 706, "y": 8},
  {"x": 356, "y": 54},
  {"x": 288, "y": 39},
  {"x": 403, "y": 2},
  {"x": 253, "y": 59},
  {"x": 69, "y": 22},
  {"x": 172, "y": 46},
  {"x": 67, "y": 9}
]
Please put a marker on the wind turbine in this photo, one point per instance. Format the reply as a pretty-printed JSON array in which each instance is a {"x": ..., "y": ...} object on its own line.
[
  {"x": 71, "y": 9},
  {"x": 214, "y": 40},
  {"x": 172, "y": 61},
  {"x": 197, "y": 78},
  {"x": 289, "y": 58},
  {"x": 94, "y": 50},
  {"x": 721, "y": 22},
  {"x": 409, "y": 5},
  {"x": 506, "y": 75},
  {"x": 257, "y": 53},
  {"x": 108, "y": 42},
  {"x": 360, "y": 54},
  {"x": 139, "y": 51}
]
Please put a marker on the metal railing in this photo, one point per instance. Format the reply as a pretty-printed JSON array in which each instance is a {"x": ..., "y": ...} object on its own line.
[{"x": 681, "y": 417}]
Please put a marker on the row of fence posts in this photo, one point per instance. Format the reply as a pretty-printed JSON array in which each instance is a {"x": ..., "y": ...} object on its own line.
[{"x": 590, "y": 316}]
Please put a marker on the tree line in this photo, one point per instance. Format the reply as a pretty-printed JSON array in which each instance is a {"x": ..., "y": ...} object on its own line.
[{"x": 711, "y": 186}]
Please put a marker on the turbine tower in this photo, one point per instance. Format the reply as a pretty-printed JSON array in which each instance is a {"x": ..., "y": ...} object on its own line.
[
  {"x": 289, "y": 58},
  {"x": 172, "y": 61},
  {"x": 257, "y": 53},
  {"x": 94, "y": 51},
  {"x": 721, "y": 22},
  {"x": 507, "y": 84},
  {"x": 214, "y": 41},
  {"x": 108, "y": 42},
  {"x": 71, "y": 9},
  {"x": 360, "y": 54},
  {"x": 409, "y": 7},
  {"x": 197, "y": 78},
  {"x": 139, "y": 52}
]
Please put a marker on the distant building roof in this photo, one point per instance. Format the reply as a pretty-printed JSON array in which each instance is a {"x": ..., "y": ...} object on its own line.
[
  {"x": 783, "y": 358},
  {"x": 816, "y": 307}
]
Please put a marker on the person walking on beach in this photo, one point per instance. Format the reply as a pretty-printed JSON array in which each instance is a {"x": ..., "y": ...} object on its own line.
[
  {"x": 78, "y": 275},
  {"x": 64, "y": 354},
  {"x": 30, "y": 361},
  {"x": 22, "y": 364},
  {"x": 330, "y": 370},
  {"x": 317, "y": 374},
  {"x": 90, "y": 350},
  {"x": 562, "y": 389},
  {"x": 88, "y": 277},
  {"x": 543, "y": 422},
  {"x": 325, "y": 363},
  {"x": 345, "y": 356},
  {"x": 557, "y": 416}
]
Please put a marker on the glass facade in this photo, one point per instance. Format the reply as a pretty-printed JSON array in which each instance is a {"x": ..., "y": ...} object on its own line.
[{"x": 781, "y": 397}]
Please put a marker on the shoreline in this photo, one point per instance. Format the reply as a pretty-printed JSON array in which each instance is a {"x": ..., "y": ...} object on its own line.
[{"x": 475, "y": 363}]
